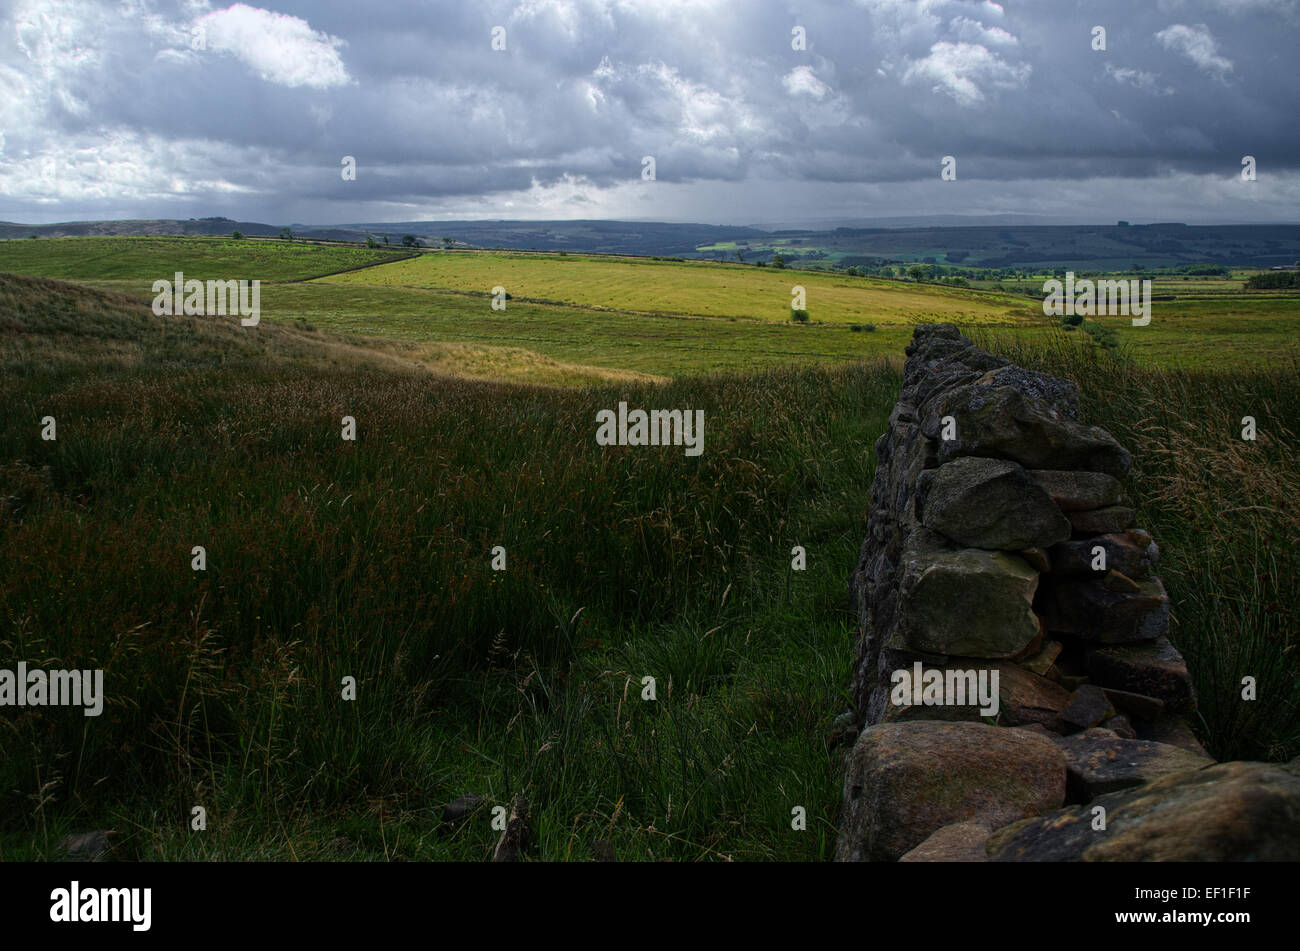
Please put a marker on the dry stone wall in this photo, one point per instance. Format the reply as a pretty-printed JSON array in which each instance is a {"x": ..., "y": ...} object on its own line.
[{"x": 1011, "y": 657}]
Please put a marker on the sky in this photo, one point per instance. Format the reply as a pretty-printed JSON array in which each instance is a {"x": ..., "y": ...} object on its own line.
[{"x": 184, "y": 108}]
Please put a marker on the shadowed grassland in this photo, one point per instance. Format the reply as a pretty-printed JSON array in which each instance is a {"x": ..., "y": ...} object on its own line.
[{"x": 329, "y": 559}]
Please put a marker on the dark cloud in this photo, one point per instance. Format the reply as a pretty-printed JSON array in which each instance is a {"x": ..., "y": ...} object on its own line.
[{"x": 179, "y": 108}]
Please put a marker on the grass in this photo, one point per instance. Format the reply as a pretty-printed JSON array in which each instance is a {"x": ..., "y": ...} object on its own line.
[
  {"x": 371, "y": 559},
  {"x": 328, "y": 559},
  {"x": 157, "y": 258},
  {"x": 1225, "y": 512},
  {"x": 612, "y": 316},
  {"x": 691, "y": 289}
]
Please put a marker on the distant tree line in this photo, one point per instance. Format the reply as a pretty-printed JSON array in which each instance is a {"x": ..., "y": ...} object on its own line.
[{"x": 1273, "y": 280}]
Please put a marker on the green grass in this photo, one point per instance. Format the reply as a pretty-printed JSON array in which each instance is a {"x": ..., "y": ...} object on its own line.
[
  {"x": 150, "y": 259},
  {"x": 329, "y": 559},
  {"x": 693, "y": 289},
  {"x": 656, "y": 318},
  {"x": 1225, "y": 512},
  {"x": 371, "y": 559}
]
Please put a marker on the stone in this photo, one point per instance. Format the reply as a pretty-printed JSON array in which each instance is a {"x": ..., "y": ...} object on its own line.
[
  {"x": 1034, "y": 646},
  {"x": 1041, "y": 662},
  {"x": 1113, "y": 518},
  {"x": 1101, "y": 761},
  {"x": 966, "y": 602},
  {"x": 1026, "y": 698},
  {"x": 1170, "y": 729},
  {"x": 1139, "y": 705},
  {"x": 1001, "y": 422},
  {"x": 85, "y": 846},
  {"x": 1121, "y": 726},
  {"x": 1088, "y": 706},
  {"x": 1132, "y": 553},
  {"x": 843, "y": 730},
  {"x": 1120, "y": 582},
  {"x": 1073, "y": 490},
  {"x": 1061, "y": 395},
  {"x": 1154, "y": 670},
  {"x": 1037, "y": 558},
  {"x": 905, "y": 781},
  {"x": 960, "y": 842},
  {"x": 1092, "y": 611},
  {"x": 516, "y": 838},
  {"x": 990, "y": 503},
  {"x": 971, "y": 680},
  {"x": 1229, "y": 812}
]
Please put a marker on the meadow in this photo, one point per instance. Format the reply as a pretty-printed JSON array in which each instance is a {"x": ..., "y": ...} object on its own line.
[
  {"x": 659, "y": 319},
  {"x": 687, "y": 288},
  {"x": 372, "y": 559},
  {"x": 154, "y": 258}
]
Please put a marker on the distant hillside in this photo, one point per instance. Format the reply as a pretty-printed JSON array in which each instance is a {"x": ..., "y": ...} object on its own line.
[
  {"x": 154, "y": 226},
  {"x": 591, "y": 237},
  {"x": 1013, "y": 245}
]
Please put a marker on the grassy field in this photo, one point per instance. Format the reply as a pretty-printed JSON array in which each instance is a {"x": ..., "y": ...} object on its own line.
[
  {"x": 689, "y": 288},
  {"x": 331, "y": 559},
  {"x": 371, "y": 559},
  {"x": 150, "y": 259},
  {"x": 653, "y": 318}
]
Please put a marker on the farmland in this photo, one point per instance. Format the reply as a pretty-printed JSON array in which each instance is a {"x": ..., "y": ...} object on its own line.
[
  {"x": 658, "y": 318},
  {"x": 370, "y": 559}
]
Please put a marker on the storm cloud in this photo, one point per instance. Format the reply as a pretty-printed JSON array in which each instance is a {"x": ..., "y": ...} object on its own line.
[{"x": 179, "y": 108}]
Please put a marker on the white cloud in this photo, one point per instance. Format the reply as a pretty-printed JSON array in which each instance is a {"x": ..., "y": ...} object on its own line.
[
  {"x": 973, "y": 31},
  {"x": 662, "y": 97},
  {"x": 123, "y": 166},
  {"x": 1198, "y": 45},
  {"x": 1138, "y": 78},
  {"x": 802, "y": 81},
  {"x": 961, "y": 69},
  {"x": 280, "y": 48}
]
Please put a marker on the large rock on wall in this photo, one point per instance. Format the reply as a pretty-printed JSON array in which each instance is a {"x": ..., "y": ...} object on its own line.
[
  {"x": 1006, "y": 423},
  {"x": 965, "y": 601},
  {"x": 907, "y": 780},
  {"x": 990, "y": 503},
  {"x": 1229, "y": 812},
  {"x": 1000, "y": 543}
]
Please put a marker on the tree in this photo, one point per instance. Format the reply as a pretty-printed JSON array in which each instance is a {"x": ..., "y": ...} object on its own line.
[
  {"x": 778, "y": 260},
  {"x": 286, "y": 233},
  {"x": 448, "y": 242},
  {"x": 385, "y": 239},
  {"x": 371, "y": 242},
  {"x": 236, "y": 235},
  {"x": 740, "y": 256},
  {"x": 410, "y": 241},
  {"x": 917, "y": 272}
]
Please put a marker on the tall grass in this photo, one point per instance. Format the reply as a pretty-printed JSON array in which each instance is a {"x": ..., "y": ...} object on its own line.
[
  {"x": 1226, "y": 514},
  {"x": 328, "y": 559}
]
